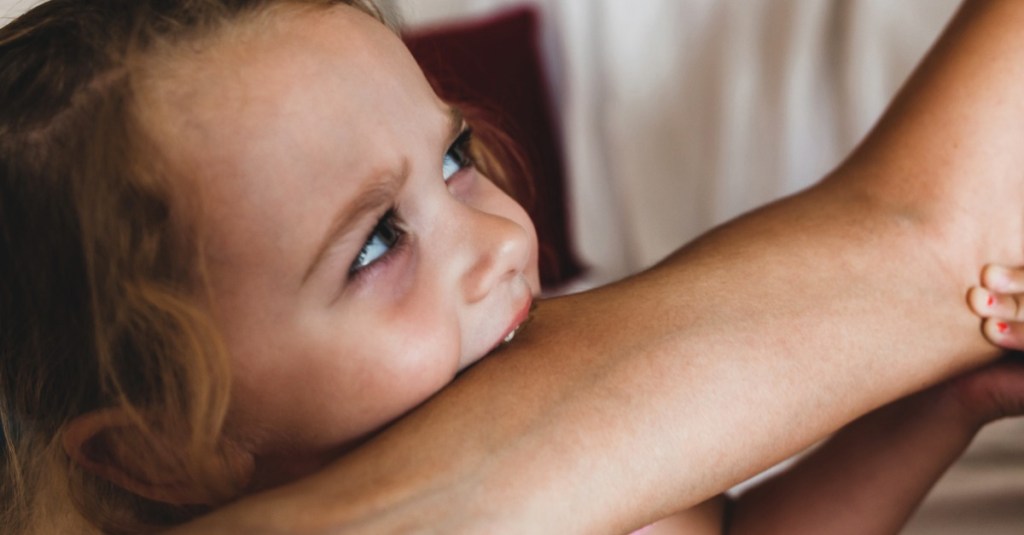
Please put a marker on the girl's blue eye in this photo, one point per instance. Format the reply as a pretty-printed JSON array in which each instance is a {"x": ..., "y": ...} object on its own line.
[
  {"x": 383, "y": 238},
  {"x": 457, "y": 157}
]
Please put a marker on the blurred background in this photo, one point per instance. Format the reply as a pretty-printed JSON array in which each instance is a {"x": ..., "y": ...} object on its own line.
[{"x": 672, "y": 116}]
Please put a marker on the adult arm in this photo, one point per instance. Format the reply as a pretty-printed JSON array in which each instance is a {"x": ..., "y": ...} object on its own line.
[
  {"x": 620, "y": 405},
  {"x": 870, "y": 477}
]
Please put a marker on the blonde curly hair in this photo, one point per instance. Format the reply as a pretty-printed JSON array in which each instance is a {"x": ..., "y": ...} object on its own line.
[{"x": 101, "y": 303}]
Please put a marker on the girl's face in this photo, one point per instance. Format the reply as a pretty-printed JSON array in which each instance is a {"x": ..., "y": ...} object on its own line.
[{"x": 356, "y": 260}]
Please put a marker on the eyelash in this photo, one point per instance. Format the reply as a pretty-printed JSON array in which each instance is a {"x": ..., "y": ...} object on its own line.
[
  {"x": 388, "y": 232},
  {"x": 458, "y": 156}
]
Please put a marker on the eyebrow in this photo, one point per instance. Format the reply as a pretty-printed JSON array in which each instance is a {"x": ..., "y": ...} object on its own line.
[{"x": 376, "y": 194}]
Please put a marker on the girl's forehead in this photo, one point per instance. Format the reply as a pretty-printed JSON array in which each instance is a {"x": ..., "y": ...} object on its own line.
[
  {"x": 280, "y": 60},
  {"x": 332, "y": 72}
]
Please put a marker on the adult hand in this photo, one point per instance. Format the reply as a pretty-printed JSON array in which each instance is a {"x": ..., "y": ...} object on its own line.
[{"x": 992, "y": 392}]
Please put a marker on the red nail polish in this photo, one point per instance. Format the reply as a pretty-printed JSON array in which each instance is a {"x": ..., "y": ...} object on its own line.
[
  {"x": 991, "y": 300},
  {"x": 1002, "y": 327}
]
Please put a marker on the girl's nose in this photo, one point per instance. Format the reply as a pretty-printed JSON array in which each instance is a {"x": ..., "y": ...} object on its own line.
[{"x": 498, "y": 249}]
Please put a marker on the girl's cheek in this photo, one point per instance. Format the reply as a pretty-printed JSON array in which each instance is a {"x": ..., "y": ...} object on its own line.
[
  {"x": 401, "y": 281},
  {"x": 393, "y": 279}
]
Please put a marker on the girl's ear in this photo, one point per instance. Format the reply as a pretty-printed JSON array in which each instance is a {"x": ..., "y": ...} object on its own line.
[{"x": 109, "y": 443}]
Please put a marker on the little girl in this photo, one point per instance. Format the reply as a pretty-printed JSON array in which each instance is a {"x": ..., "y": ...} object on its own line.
[{"x": 267, "y": 195}]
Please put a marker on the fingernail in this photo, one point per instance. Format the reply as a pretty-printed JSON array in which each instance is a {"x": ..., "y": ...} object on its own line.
[
  {"x": 1002, "y": 327},
  {"x": 991, "y": 300}
]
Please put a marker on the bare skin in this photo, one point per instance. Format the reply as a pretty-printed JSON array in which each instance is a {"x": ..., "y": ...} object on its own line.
[
  {"x": 871, "y": 476},
  {"x": 1000, "y": 301},
  {"x": 618, "y": 406}
]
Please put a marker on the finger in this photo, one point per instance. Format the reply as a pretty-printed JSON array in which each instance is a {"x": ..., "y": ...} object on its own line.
[
  {"x": 989, "y": 304},
  {"x": 1006, "y": 334},
  {"x": 1005, "y": 381},
  {"x": 993, "y": 391},
  {"x": 981, "y": 301},
  {"x": 1002, "y": 279}
]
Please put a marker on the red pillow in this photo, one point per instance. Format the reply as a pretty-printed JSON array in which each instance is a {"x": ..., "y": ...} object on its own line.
[{"x": 495, "y": 65}]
